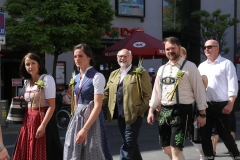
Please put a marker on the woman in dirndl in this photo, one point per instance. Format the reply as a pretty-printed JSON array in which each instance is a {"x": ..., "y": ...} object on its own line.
[
  {"x": 86, "y": 136},
  {"x": 38, "y": 138}
]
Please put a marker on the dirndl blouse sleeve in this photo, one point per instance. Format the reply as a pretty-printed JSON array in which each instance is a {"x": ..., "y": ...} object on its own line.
[
  {"x": 49, "y": 87},
  {"x": 99, "y": 83}
]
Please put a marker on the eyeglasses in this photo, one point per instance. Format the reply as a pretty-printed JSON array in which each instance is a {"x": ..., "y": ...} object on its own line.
[
  {"x": 208, "y": 47},
  {"x": 122, "y": 56}
]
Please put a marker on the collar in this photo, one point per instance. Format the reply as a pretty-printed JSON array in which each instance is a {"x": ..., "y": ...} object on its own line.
[
  {"x": 126, "y": 70},
  {"x": 216, "y": 60},
  {"x": 179, "y": 62}
]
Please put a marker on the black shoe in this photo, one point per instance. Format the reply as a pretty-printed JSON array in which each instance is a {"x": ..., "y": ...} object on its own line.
[{"x": 226, "y": 152}]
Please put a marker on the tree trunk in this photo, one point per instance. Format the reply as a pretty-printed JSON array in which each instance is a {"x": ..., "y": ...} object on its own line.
[{"x": 56, "y": 54}]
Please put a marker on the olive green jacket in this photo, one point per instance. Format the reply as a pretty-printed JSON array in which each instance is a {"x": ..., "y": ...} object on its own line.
[{"x": 133, "y": 104}]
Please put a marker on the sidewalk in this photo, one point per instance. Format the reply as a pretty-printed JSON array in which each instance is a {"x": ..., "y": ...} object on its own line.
[{"x": 16, "y": 127}]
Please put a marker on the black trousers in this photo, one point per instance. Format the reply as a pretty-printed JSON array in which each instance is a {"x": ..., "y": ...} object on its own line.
[{"x": 222, "y": 121}]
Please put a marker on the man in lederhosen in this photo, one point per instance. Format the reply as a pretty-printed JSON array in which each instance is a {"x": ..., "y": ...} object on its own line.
[{"x": 178, "y": 84}]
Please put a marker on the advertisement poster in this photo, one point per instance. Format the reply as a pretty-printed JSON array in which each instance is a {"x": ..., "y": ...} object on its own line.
[
  {"x": 132, "y": 8},
  {"x": 60, "y": 73}
]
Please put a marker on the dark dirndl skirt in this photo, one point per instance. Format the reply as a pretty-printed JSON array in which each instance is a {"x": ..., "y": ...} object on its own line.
[{"x": 30, "y": 148}]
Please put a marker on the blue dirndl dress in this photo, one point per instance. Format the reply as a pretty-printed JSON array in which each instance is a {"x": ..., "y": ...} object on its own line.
[{"x": 97, "y": 146}]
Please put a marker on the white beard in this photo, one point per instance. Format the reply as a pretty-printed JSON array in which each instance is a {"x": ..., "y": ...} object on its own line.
[{"x": 122, "y": 65}]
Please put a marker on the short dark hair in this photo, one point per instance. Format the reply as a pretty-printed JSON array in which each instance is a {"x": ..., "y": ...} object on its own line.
[
  {"x": 66, "y": 87},
  {"x": 87, "y": 50},
  {"x": 22, "y": 70},
  {"x": 172, "y": 40}
]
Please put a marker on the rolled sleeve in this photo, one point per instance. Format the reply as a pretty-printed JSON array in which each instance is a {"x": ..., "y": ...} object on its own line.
[{"x": 232, "y": 80}]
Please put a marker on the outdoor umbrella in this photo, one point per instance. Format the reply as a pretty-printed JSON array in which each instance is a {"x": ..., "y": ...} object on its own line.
[{"x": 140, "y": 44}]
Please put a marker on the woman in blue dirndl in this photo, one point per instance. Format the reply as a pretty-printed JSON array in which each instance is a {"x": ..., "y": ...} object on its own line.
[{"x": 86, "y": 136}]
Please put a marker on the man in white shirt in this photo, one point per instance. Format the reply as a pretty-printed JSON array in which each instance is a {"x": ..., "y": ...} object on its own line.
[
  {"x": 176, "y": 106},
  {"x": 221, "y": 93}
]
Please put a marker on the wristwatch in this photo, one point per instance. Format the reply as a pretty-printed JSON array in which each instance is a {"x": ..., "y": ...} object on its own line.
[
  {"x": 1, "y": 147},
  {"x": 202, "y": 115}
]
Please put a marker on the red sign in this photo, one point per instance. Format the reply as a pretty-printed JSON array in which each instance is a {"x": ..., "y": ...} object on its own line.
[
  {"x": 16, "y": 82},
  {"x": 124, "y": 32}
]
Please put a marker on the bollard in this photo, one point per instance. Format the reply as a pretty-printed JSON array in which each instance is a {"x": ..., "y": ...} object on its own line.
[{"x": 3, "y": 112}]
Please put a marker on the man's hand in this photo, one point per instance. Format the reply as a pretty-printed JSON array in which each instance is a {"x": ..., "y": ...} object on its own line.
[
  {"x": 150, "y": 118},
  {"x": 201, "y": 121},
  {"x": 227, "y": 109}
]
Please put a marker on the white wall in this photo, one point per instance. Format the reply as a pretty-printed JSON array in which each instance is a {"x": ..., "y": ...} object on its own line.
[{"x": 227, "y": 7}]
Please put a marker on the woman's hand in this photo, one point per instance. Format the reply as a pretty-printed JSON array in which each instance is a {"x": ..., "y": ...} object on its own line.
[
  {"x": 4, "y": 155},
  {"x": 82, "y": 136},
  {"x": 40, "y": 131}
]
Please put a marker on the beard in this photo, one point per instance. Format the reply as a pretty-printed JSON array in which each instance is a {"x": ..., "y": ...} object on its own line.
[
  {"x": 173, "y": 56},
  {"x": 123, "y": 65}
]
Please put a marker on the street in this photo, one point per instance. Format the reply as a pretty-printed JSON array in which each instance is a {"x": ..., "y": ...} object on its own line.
[{"x": 148, "y": 142}]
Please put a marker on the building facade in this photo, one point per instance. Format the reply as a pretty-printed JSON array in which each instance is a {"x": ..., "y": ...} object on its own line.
[{"x": 158, "y": 18}]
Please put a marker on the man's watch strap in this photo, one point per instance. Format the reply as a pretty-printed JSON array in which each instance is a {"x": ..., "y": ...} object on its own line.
[
  {"x": 202, "y": 115},
  {"x": 1, "y": 147}
]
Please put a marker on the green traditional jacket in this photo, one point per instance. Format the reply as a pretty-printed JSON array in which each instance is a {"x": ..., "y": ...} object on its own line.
[{"x": 133, "y": 104}]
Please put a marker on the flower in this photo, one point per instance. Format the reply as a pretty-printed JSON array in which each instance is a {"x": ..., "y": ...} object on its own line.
[
  {"x": 180, "y": 74},
  {"x": 71, "y": 84},
  {"x": 139, "y": 71},
  {"x": 40, "y": 84}
]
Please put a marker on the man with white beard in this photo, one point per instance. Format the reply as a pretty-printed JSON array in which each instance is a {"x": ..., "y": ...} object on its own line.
[{"x": 127, "y": 94}]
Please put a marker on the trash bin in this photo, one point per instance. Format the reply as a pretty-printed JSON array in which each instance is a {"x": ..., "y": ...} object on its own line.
[{"x": 3, "y": 112}]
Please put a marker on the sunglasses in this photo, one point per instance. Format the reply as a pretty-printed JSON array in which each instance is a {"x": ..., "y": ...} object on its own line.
[{"x": 208, "y": 47}]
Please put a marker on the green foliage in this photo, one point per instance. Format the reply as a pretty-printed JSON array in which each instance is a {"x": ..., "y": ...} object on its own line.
[
  {"x": 214, "y": 26},
  {"x": 55, "y": 26},
  {"x": 50, "y": 26},
  {"x": 172, "y": 15}
]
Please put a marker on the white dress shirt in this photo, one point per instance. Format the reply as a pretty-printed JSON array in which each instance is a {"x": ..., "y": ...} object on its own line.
[
  {"x": 222, "y": 79},
  {"x": 124, "y": 72}
]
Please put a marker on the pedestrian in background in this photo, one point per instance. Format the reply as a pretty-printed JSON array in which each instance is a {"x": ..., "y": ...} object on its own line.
[
  {"x": 3, "y": 151},
  {"x": 86, "y": 136},
  {"x": 127, "y": 94},
  {"x": 184, "y": 52},
  {"x": 221, "y": 93},
  {"x": 38, "y": 138},
  {"x": 175, "y": 105},
  {"x": 67, "y": 95},
  {"x": 198, "y": 146},
  {"x": 152, "y": 74}
]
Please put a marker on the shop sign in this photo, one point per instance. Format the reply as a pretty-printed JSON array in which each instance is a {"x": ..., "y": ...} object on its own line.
[
  {"x": 124, "y": 32},
  {"x": 16, "y": 82}
]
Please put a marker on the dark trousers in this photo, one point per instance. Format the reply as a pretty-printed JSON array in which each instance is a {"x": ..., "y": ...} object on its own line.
[
  {"x": 130, "y": 149},
  {"x": 222, "y": 121}
]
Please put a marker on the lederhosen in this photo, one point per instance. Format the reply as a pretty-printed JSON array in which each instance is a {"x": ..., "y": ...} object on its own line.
[{"x": 174, "y": 121}]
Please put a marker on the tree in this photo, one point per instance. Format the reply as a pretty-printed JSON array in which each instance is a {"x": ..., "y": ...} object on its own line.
[
  {"x": 55, "y": 26},
  {"x": 214, "y": 26},
  {"x": 171, "y": 15}
]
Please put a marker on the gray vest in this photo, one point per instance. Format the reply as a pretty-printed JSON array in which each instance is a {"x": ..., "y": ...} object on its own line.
[{"x": 119, "y": 99}]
